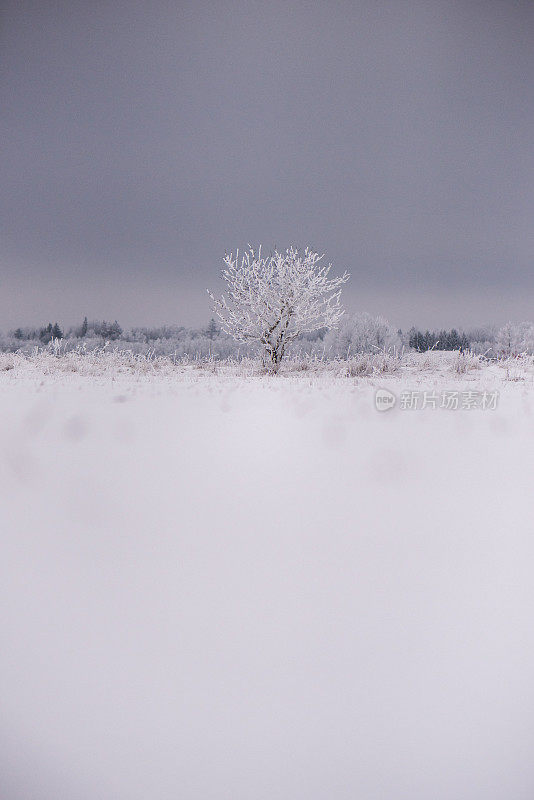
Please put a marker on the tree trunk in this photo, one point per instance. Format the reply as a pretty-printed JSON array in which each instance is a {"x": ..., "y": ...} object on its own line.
[{"x": 272, "y": 358}]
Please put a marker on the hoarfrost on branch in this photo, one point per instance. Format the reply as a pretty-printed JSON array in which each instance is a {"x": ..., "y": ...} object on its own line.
[{"x": 275, "y": 299}]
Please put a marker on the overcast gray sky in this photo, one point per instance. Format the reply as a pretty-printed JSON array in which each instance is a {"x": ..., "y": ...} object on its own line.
[{"x": 142, "y": 140}]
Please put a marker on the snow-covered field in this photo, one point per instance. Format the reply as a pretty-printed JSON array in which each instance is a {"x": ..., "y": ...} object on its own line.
[{"x": 218, "y": 584}]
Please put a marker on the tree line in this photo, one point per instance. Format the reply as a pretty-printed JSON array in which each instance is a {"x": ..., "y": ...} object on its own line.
[
  {"x": 437, "y": 340},
  {"x": 356, "y": 333},
  {"x": 105, "y": 330}
]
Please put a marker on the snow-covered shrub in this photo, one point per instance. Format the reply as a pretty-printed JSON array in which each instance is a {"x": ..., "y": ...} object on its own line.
[
  {"x": 381, "y": 363},
  {"x": 360, "y": 366},
  {"x": 467, "y": 361},
  {"x": 361, "y": 333},
  {"x": 388, "y": 360}
]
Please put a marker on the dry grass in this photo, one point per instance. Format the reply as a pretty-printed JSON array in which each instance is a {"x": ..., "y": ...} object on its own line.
[{"x": 111, "y": 363}]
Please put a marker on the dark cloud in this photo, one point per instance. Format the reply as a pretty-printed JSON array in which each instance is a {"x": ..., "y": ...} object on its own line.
[{"x": 143, "y": 140}]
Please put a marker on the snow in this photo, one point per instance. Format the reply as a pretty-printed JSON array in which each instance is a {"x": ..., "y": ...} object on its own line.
[{"x": 221, "y": 584}]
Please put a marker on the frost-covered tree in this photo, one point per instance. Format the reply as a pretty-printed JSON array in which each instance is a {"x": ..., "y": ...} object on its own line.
[
  {"x": 515, "y": 338},
  {"x": 361, "y": 333},
  {"x": 482, "y": 339},
  {"x": 106, "y": 330},
  {"x": 275, "y": 299}
]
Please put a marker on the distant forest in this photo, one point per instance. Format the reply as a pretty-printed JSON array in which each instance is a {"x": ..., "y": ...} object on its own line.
[{"x": 357, "y": 333}]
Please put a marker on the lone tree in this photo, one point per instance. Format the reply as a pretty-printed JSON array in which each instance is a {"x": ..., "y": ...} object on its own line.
[
  {"x": 274, "y": 299},
  {"x": 211, "y": 330}
]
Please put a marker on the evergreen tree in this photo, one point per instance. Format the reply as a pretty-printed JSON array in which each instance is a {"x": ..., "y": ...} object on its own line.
[
  {"x": 453, "y": 342},
  {"x": 212, "y": 331},
  {"x": 114, "y": 331},
  {"x": 412, "y": 338},
  {"x": 57, "y": 333},
  {"x": 45, "y": 334}
]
